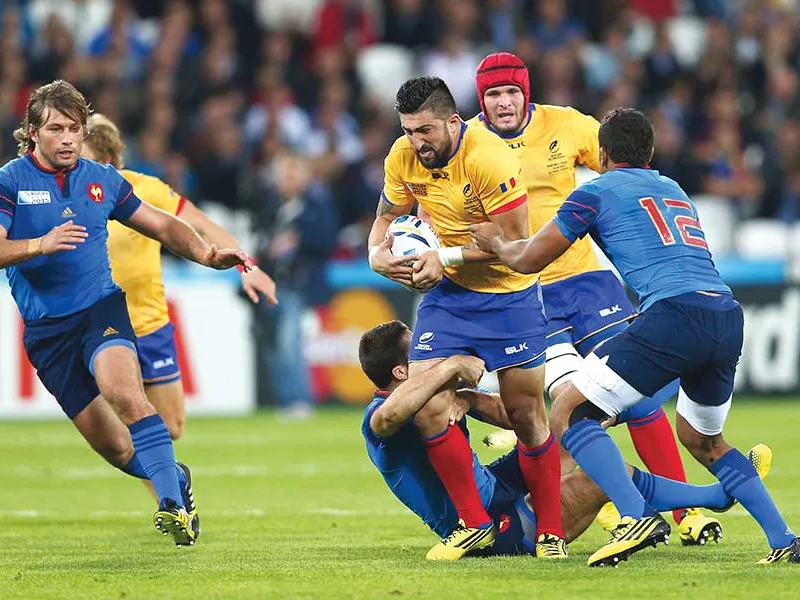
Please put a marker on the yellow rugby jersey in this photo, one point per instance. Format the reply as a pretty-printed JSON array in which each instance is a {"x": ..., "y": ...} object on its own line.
[
  {"x": 136, "y": 259},
  {"x": 554, "y": 142},
  {"x": 482, "y": 177}
]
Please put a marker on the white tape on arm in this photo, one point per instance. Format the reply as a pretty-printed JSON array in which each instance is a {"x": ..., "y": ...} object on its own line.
[
  {"x": 372, "y": 252},
  {"x": 451, "y": 257}
]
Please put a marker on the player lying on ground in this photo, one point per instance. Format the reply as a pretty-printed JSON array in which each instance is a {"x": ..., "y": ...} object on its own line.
[
  {"x": 690, "y": 327},
  {"x": 396, "y": 449},
  {"x": 462, "y": 175},
  {"x": 136, "y": 268},
  {"x": 585, "y": 304},
  {"x": 54, "y": 211}
]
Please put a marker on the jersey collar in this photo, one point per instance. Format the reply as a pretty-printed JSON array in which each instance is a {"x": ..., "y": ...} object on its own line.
[
  {"x": 381, "y": 394},
  {"x": 460, "y": 137},
  {"x": 509, "y": 136},
  {"x": 630, "y": 166},
  {"x": 35, "y": 161}
]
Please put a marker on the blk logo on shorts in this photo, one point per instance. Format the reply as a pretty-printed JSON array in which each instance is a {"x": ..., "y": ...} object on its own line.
[
  {"x": 517, "y": 349},
  {"x": 607, "y": 312},
  {"x": 164, "y": 362}
]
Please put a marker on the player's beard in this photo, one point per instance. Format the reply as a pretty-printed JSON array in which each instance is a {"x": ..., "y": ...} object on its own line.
[
  {"x": 440, "y": 155},
  {"x": 509, "y": 126},
  {"x": 61, "y": 161}
]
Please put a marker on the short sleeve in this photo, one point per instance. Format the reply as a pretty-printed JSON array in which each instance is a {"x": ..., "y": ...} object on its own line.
[
  {"x": 578, "y": 214},
  {"x": 126, "y": 202},
  {"x": 165, "y": 198},
  {"x": 8, "y": 206},
  {"x": 497, "y": 175},
  {"x": 394, "y": 190},
  {"x": 585, "y": 131}
]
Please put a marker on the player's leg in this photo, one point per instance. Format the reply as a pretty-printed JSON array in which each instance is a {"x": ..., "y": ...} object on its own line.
[
  {"x": 450, "y": 455},
  {"x": 167, "y": 399},
  {"x": 109, "y": 353},
  {"x": 522, "y": 391},
  {"x": 158, "y": 359},
  {"x": 703, "y": 404}
]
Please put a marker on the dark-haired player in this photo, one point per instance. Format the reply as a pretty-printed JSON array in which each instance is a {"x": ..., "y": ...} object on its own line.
[
  {"x": 395, "y": 448},
  {"x": 461, "y": 175},
  {"x": 585, "y": 304},
  {"x": 690, "y": 327}
]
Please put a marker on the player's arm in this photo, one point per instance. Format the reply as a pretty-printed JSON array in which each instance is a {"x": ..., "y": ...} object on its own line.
[
  {"x": 254, "y": 280},
  {"x": 485, "y": 406},
  {"x": 585, "y": 130},
  {"x": 395, "y": 200},
  {"x": 411, "y": 395},
  {"x": 181, "y": 238},
  {"x": 575, "y": 217}
]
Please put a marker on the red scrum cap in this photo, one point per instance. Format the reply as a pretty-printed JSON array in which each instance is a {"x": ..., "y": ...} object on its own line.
[{"x": 502, "y": 68}]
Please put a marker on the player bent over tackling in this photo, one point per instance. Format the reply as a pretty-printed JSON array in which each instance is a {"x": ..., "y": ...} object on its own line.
[
  {"x": 54, "y": 211},
  {"x": 395, "y": 447},
  {"x": 690, "y": 327}
]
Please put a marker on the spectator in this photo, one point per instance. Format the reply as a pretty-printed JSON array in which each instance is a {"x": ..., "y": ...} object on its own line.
[{"x": 297, "y": 226}]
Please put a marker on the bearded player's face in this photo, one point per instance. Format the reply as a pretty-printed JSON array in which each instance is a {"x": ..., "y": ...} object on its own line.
[
  {"x": 505, "y": 108},
  {"x": 431, "y": 136},
  {"x": 58, "y": 141}
]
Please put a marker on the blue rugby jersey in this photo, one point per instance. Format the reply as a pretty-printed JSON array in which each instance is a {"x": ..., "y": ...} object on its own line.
[
  {"x": 33, "y": 200},
  {"x": 403, "y": 464},
  {"x": 648, "y": 228}
]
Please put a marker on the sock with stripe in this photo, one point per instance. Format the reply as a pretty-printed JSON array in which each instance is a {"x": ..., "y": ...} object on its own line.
[
  {"x": 153, "y": 449},
  {"x": 450, "y": 455},
  {"x": 665, "y": 494},
  {"x": 598, "y": 455},
  {"x": 655, "y": 444},
  {"x": 740, "y": 480},
  {"x": 541, "y": 468},
  {"x": 134, "y": 468}
]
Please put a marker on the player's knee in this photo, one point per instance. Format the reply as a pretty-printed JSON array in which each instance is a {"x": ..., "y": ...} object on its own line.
[
  {"x": 117, "y": 448},
  {"x": 129, "y": 403},
  {"x": 586, "y": 411},
  {"x": 175, "y": 425}
]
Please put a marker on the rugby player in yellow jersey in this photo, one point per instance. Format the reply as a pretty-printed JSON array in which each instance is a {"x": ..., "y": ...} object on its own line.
[
  {"x": 136, "y": 267},
  {"x": 585, "y": 304},
  {"x": 462, "y": 175}
]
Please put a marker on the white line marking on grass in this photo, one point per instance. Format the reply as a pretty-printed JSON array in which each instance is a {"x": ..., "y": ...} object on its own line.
[{"x": 347, "y": 512}]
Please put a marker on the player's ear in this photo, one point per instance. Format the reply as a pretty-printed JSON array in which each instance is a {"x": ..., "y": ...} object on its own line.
[
  {"x": 652, "y": 154},
  {"x": 400, "y": 372},
  {"x": 33, "y": 133},
  {"x": 603, "y": 160}
]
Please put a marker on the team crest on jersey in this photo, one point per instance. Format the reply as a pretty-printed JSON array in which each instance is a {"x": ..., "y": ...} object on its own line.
[
  {"x": 504, "y": 522},
  {"x": 418, "y": 189},
  {"x": 553, "y": 146},
  {"x": 96, "y": 193}
]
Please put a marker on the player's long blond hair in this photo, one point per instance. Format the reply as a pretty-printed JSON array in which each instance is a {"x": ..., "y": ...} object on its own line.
[
  {"x": 106, "y": 140},
  {"x": 59, "y": 95}
]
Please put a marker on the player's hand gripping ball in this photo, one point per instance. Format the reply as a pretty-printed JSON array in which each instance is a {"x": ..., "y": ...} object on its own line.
[{"x": 412, "y": 236}]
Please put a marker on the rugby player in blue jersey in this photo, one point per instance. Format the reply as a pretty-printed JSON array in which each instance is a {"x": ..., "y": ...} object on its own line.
[
  {"x": 395, "y": 447},
  {"x": 54, "y": 209},
  {"x": 690, "y": 327}
]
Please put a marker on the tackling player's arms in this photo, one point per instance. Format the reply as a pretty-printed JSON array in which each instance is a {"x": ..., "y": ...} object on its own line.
[
  {"x": 412, "y": 394},
  {"x": 523, "y": 255}
]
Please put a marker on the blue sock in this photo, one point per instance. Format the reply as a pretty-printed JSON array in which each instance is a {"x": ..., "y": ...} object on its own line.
[
  {"x": 135, "y": 469},
  {"x": 666, "y": 494},
  {"x": 598, "y": 455},
  {"x": 740, "y": 479},
  {"x": 153, "y": 446}
]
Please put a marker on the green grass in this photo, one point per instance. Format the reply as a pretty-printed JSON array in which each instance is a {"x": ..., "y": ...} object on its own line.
[{"x": 294, "y": 510}]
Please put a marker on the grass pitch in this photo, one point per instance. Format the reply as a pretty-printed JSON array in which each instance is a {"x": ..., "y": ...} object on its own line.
[{"x": 295, "y": 510}]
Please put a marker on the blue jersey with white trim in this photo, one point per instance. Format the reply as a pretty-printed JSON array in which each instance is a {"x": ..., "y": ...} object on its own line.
[
  {"x": 404, "y": 465},
  {"x": 648, "y": 228},
  {"x": 33, "y": 200}
]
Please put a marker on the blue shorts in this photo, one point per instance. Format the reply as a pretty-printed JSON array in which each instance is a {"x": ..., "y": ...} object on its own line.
[
  {"x": 505, "y": 330},
  {"x": 514, "y": 521},
  {"x": 158, "y": 356},
  {"x": 694, "y": 337},
  {"x": 63, "y": 349},
  {"x": 586, "y": 309}
]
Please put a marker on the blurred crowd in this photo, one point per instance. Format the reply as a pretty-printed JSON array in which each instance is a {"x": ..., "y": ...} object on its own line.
[{"x": 209, "y": 93}]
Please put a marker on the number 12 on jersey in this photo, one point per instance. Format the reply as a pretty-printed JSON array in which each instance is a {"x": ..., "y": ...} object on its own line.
[{"x": 686, "y": 225}]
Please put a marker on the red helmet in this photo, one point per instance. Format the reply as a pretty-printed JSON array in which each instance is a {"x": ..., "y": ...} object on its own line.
[{"x": 502, "y": 68}]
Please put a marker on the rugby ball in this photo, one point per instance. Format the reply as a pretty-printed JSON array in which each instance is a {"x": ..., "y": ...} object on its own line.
[{"x": 412, "y": 236}]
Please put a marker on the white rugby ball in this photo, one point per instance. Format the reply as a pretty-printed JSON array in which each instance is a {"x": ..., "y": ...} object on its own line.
[{"x": 412, "y": 236}]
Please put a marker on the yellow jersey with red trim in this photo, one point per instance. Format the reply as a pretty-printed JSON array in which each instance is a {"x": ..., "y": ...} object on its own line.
[
  {"x": 482, "y": 177},
  {"x": 136, "y": 259},
  {"x": 550, "y": 147}
]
